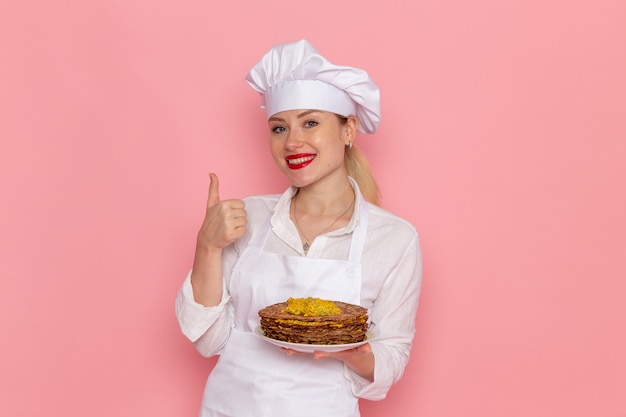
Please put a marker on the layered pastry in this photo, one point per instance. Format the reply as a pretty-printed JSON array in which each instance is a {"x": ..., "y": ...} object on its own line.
[{"x": 314, "y": 321}]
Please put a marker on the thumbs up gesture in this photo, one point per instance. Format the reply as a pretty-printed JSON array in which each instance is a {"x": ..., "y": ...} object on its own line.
[{"x": 224, "y": 222}]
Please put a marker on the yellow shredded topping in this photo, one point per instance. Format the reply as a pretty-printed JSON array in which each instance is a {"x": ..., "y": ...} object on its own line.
[{"x": 311, "y": 307}]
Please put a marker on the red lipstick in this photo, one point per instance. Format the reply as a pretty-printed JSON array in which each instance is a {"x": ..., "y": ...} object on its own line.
[{"x": 299, "y": 161}]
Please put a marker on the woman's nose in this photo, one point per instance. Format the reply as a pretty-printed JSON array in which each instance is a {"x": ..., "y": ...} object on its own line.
[{"x": 294, "y": 139}]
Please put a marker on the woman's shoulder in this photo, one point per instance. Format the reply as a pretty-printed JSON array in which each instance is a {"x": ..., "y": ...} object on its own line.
[
  {"x": 384, "y": 220},
  {"x": 260, "y": 205},
  {"x": 264, "y": 201}
]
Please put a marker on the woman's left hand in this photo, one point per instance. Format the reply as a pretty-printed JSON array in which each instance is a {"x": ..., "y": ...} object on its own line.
[
  {"x": 360, "y": 359},
  {"x": 317, "y": 354},
  {"x": 366, "y": 348}
]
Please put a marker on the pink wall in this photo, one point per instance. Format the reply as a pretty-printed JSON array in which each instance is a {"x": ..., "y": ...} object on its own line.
[{"x": 503, "y": 140}]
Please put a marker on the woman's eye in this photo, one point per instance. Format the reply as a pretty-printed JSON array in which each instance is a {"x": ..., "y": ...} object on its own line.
[
  {"x": 310, "y": 123},
  {"x": 278, "y": 129}
]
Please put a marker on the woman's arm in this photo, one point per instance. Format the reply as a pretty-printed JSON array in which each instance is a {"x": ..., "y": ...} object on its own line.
[
  {"x": 202, "y": 305},
  {"x": 392, "y": 325},
  {"x": 224, "y": 222}
]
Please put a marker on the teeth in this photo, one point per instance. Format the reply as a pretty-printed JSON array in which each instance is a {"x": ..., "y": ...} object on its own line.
[{"x": 299, "y": 160}]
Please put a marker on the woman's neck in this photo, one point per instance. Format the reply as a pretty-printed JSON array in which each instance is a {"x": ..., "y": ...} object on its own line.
[
  {"x": 325, "y": 199},
  {"x": 316, "y": 212}
]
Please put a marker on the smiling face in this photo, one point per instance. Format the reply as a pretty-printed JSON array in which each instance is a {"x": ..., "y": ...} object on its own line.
[{"x": 309, "y": 145}]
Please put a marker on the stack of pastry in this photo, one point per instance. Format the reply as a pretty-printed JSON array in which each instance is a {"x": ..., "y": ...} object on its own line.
[{"x": 314, "y": 321}]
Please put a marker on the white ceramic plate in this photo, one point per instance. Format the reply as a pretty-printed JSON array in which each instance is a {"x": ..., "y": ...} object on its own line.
[{"x": 303, "y": 347}]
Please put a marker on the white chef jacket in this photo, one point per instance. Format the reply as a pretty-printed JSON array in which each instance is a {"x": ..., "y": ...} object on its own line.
[{"x": 391, "y": 282}]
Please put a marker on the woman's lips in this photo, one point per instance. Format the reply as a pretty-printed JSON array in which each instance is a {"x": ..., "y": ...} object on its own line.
[{"x": 299, "y": 161}]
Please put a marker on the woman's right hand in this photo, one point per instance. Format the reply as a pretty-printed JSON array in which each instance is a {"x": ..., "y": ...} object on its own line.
[{"x": 224, "y": 221}]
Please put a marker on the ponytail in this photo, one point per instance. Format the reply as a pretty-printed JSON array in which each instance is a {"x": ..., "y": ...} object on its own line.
[{"x": 359, "y": 169}]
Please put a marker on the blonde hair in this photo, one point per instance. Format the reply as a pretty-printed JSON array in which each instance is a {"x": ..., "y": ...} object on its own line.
[{"x": 359, "y": 169}]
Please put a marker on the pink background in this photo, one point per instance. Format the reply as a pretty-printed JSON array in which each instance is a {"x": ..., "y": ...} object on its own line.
[{"x": 503, "y": 140}]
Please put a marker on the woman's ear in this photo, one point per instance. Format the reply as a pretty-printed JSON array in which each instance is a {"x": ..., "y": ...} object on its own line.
[{"x": 350, "y": 129}]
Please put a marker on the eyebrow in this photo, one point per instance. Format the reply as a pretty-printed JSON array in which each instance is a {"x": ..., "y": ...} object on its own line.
[
  {"x": 300, "y": 116},
  {"x": 306, "y": 113}
]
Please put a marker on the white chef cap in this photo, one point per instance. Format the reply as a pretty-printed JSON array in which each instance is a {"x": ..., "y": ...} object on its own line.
[{"x": 295, "y": 76}]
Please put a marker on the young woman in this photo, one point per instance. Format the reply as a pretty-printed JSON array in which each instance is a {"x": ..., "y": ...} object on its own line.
[{"x": 323, "y": 237}]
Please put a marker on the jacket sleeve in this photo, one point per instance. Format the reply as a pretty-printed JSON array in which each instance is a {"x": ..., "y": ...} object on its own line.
[
  {"x": 207, "y": 327},
  {"x": 392, "y": 325}
]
